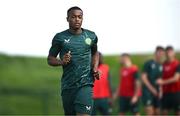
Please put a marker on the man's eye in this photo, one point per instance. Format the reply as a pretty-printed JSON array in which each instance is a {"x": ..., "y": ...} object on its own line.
[{"x": 80, "y": 17}]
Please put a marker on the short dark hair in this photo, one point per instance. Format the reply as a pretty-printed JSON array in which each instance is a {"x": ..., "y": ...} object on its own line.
[
  {"x": 125, "y": 54},
  {"x": 169, "y": 48},
  {"x": 73, "y": 8},
  {"x": 159, "y": 48}
]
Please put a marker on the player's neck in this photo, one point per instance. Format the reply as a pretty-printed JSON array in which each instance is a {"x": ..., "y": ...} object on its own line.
[
  {"x": 157, "y": 60},
  {"x": 171, "y": 59},
  {"x": 75, "y": 31},
  {"x": 127, "y": 65}
]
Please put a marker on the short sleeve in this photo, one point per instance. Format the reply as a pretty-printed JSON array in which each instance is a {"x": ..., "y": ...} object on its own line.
[
  {"x": 55, "y": 47},
  {"x": 178, "y": 69},
  {"x": 94, "y": 45},
  {"x": 137, "y": 75},
  {"x": 160, "y": 71},
  {"x": 146, "y": 67}
]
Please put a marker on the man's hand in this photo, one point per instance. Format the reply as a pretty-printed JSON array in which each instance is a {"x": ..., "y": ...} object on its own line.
[
  {"x": 154, "y": 92},
  {"x": 66, "y": 58},
  {"x": 96, "y": 74},
  {"x": 134, "y": 99},
  {"x": 159, "y": 81}
]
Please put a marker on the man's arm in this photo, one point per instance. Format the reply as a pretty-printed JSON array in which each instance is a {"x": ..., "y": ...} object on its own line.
[
  {"x": 137, "y": 88},
  {"x": 145, "y": 80},
  {"x": 95, "y": 63},
  {"x": 116, "y": 93},
  {"x": 175, "y": 78},
  {"x": 53, "y": 61},
  {"x": 95, "y": 59},
  {"x": 54, "y": 51}
]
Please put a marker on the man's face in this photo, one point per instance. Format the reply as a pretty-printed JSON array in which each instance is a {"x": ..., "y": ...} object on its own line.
[
  {"x": 124, "y": 60},
  {"x": 75, "y": 19},
  {"x": 160, "y": 55},
  {"x": 170, "y": 54}
]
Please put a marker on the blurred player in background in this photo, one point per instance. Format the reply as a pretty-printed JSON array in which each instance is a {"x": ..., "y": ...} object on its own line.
[
  {"x": 102, "y": 89},
  {"x": 152, "y": 70},
  {"x": 129, "y": 87},
  {"x": 171, "y": 83},
  {"x": 79, "y": 58}
]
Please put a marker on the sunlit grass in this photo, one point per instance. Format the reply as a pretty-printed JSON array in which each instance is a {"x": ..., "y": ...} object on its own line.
[{"x": 32, "y": 74}]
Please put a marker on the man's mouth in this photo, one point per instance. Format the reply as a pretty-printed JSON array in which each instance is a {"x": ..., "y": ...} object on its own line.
[{"x": 77, "y": 24}]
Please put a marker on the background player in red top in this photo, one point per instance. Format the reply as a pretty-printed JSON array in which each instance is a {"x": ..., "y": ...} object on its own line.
[
  {"x": 171, "y": 83},
  {"x": 129, "y": 87},
  {"x": 102, "y": 89}
]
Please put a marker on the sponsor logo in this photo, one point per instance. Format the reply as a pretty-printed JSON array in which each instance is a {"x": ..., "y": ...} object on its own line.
[
  {"x": 161, "y": 68},
  {"x": 153, "y": 66},
  {"x": 167, "y": 68},
  {"x": 148, "y": 102},
  {"x": 66, "y": 40},
  {"x": 88, "y": 108},
  {"x": 124, "y": 73}
]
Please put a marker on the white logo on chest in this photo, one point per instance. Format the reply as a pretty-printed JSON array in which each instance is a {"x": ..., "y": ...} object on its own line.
[
  {"x": 160, "y": 68},
  {"x": 66, "y": 40},
  {"x": 125, "y": 73},
  {"x": 153, "y": 66},
  {"x": 167, "y": 68}
]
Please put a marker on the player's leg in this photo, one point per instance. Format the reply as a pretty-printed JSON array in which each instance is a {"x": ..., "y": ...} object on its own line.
[
  {"x": 147, "y": 100},
  {"x": 95, "y": 106},
  {"x": 104, "y": 106},
  {"x": 135, "y": 108},
  {"x": 156, "y": 105},
  {"x": 123, "y": 105},
  {"x": 149, "y": 110},
  {"x": 68, "y": 97},
  {"x": 176, "y": 97},
  {"x": 157, "y": 111},
  {"x": 166, "y": 104},
  {"x": 84, "y": 101}
]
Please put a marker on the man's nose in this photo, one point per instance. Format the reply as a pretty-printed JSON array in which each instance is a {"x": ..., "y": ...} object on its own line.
[{"x": 77, "y": 19}]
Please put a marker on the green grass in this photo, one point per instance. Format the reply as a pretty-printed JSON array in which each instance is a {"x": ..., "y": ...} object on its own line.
[{"x": 29, "y": 86}]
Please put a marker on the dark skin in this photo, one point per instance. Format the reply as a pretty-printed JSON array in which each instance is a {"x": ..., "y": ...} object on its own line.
[{"x": 75, "y": 18}]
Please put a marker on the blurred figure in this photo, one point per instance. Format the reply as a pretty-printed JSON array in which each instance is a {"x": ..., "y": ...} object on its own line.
[
  {"x": 152, "y": 71},
  {"x": 102, "y": 89},
  {"x": 171, "y": 83},
  {"x": 129, "y": 87}
]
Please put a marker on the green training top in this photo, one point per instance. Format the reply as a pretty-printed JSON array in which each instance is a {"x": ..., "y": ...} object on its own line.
[
  {"x": 153, "y": 70},
  {"x": 77, "y": 73}
]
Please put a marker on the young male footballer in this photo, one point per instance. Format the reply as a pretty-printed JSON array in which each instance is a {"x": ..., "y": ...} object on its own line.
[
  {"x": 77, "y": 48},
  {"x": 129, "y": 87},
  {"x": 152, "y": 71},
  {"x": 170, "y": 83}
]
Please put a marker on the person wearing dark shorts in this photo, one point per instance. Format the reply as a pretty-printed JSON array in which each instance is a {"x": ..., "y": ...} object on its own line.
[
  {"x": 77, "y": 49},
  {"x": 102, "y": 90},
  {"x": 125, "y": 105},
  {"x": 152, "y": 71},
  {"x": 171, "y": 83},
  {"x": 129, "y": 87},
  {"x": 77, "y": 100}
]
